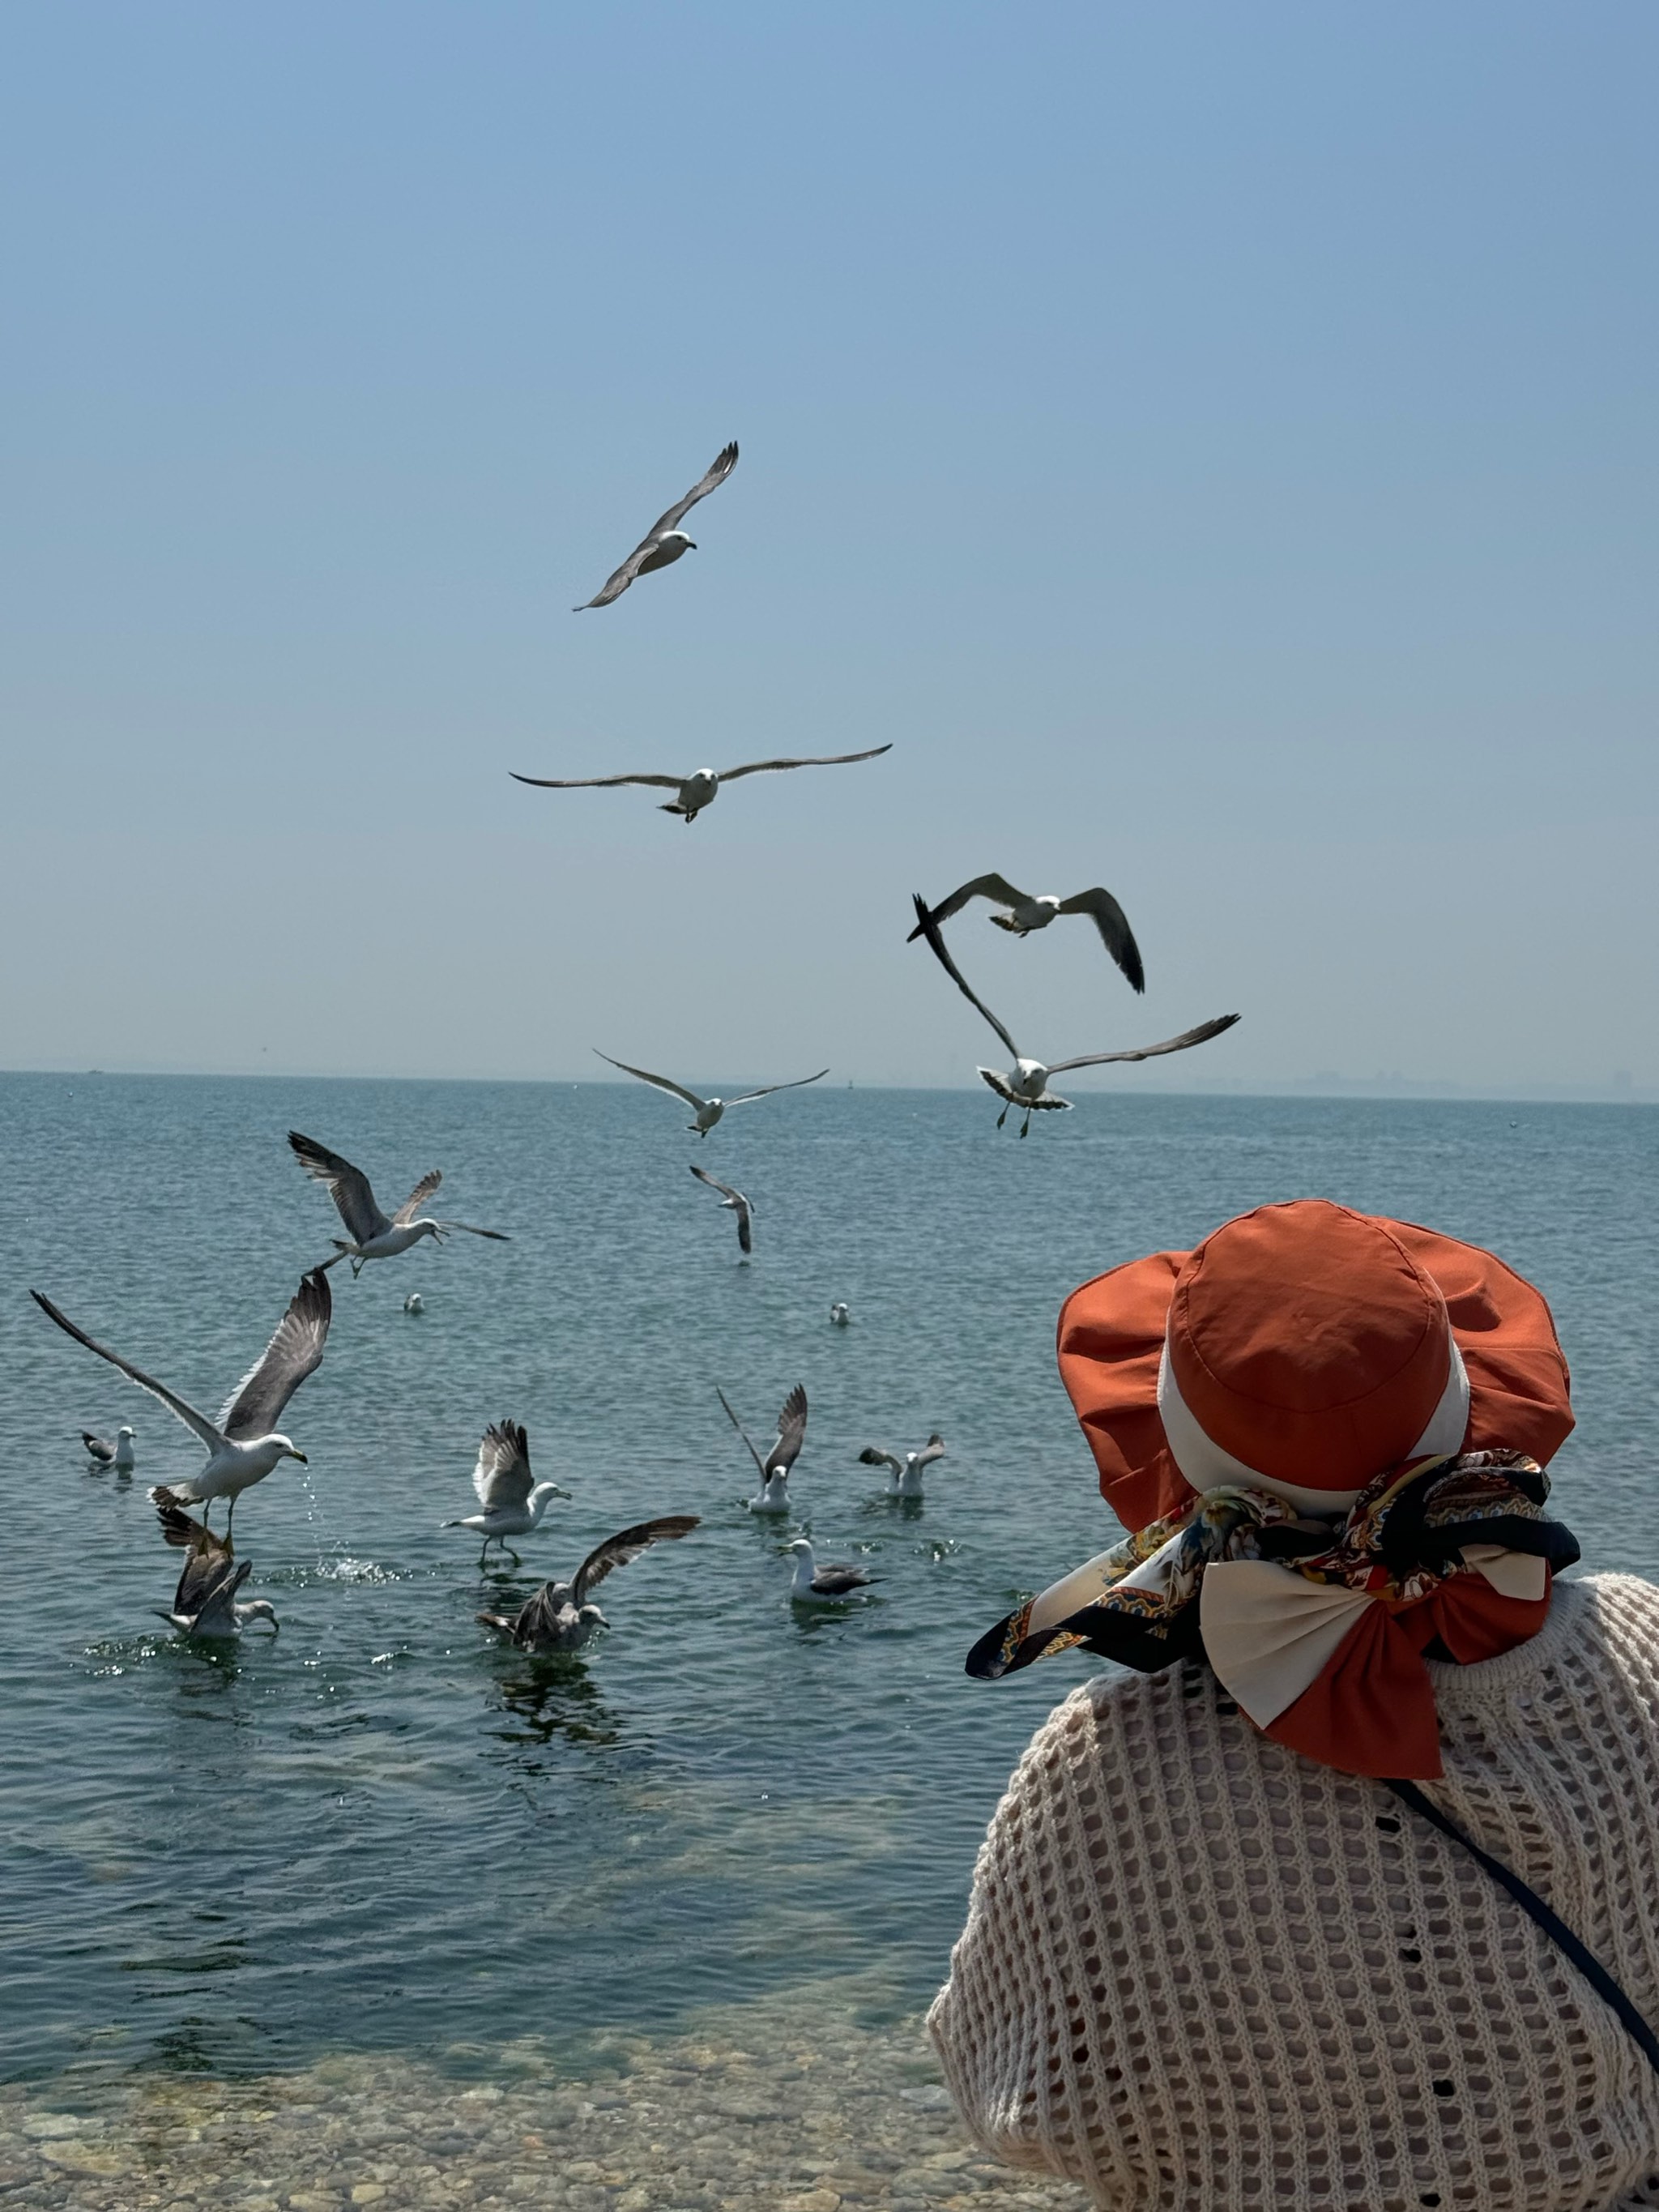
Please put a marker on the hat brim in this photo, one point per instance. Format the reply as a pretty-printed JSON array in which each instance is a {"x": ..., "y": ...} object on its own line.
[{"x": 1110, "y": 1341}]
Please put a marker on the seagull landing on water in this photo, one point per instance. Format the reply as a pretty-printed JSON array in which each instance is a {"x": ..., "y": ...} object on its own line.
[
  {"x": 840, "y": 1314},
  {"x": 1023, "y": 914},
  {"x": 735, "y": 1203},
  {"x": 513, "y": 1505},
  {"x": 665, "y": 541},
  {"x": 904, "y": 1475},
  {"x": 102, "y": 1452},
  {"x": 559, "y": 1617},
  {"x": 817, "y": 1585},
  {"x": 707, "y": 1110},
  {"x": 244, "y": 1444},
  {"x": 369, "y": 1235},
  {"x": 693, "y": 792},
  {"x": 1026, "y": 1083},
  {"x": 205, "y": 1602},
  {"x": 773, "y": 1496}
]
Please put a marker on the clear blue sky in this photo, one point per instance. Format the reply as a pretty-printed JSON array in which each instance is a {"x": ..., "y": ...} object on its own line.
[{"x": 1215, "y": 444}]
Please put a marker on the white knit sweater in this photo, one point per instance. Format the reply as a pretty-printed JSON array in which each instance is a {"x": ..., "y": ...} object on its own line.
[{"x": 1202, "y": 1974}]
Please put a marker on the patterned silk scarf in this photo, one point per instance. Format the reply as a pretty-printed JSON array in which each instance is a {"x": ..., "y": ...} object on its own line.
[{"x": 1319, "y": 1630}]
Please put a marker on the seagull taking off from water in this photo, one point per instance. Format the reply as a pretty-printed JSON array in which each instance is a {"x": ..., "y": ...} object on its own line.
[
  {"x": 102, "y": 1453},
  {"x": 1023, "y": 913},
  {"x": 701, "y": 787},
  {"x": 205, "y": 1601},
  {"x": 904, "y": 1475},
  {"x": 559, "y": 1617},
  {"x": 1026, "y": 1083},
  {"x": 773, "y": 1496},
  {"x": 735, "y": 1203},
  {"x": 817, "y": 1585},
  {"x": 369, "y": 1235},
  {"x": 244, "y": 1444},
  {"x": 707, "y": 1110},
  {"x": 513, "y": 1505},
  {"x": 665, "y": 541}
]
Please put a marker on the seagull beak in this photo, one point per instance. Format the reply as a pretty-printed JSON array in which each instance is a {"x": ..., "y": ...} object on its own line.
[
  {"x": 301, "y": 1456},
  {"x": 690, "y": 544}
]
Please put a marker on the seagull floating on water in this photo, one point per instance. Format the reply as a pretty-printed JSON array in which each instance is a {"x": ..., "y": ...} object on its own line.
[
  {"x": 370, "y": 1235},
  {"x": 904, "y": 1475},
  {"x": 414, "y": 1303},
  {"x": 840, "y": 1314},
  {"x": 773, "y": 1496},
  {"x": 665, "y": 541},
  {"x": 707, "y": 1110},
  {"x": 103, "y": 1453},
  {"x": 243, "y": 1445},
  {"x": 205, "y": 1602},
  {"x": 693, "y": 792},
  {"x": 513, "y": 1504},
  {"x": 817, "y": 1585},
  {"x": 1025, "y": 913},
  {"x": 1026, "y": 1083},
  {"x": 559, "y": 1617},
  {"x": 735, "y": 1203}
]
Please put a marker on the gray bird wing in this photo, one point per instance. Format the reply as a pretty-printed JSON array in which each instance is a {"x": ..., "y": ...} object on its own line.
[
  {"x": 799, "y": 1084},
  {"x": 1116, "y": 933},
  {"x": 873, "y": 1455},
  {"x": 295, "y": 1350},
  {"x": 745, "y": 1230},
  {"x": 183, "y": 1531},
  {"x": 627, "y": 1544},
  {"x": 929, "y": 929},
  {"x": 539, "y": 1617},
  {"x": 99, "y": 1447},
  {"x": 198, "y": 1423},
  {"x": 207, "y": 1558},
  {"x": 595, "y": 782},
  {"x": 835, "y": 1582},
  {"x": 417, "y": 1199},
  {"x": 471, "y": 1228},
  {"x": 759, "y": 1462},
  {"x": 206, "y": 1596},
  {"x": 501, "y": 1476},
  {"x": 619, "y": 579},
  {"x": 994, "y": 887},
  {"x": 933, "y": 1450},
  {"x": 823, "y": 760},
  {"x": 735, "y": 1199},
  {"x": 1187, "y": 1038},
  {"x": 792, "y": 1432},
  {"x": 662, "y": 1081},
  {"x": 347, "y": 1186}
]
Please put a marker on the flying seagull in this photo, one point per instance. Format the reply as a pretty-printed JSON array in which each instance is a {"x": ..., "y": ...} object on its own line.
[
  {"x": 701, "y": 789},
  {"x": 102, "y": 1453},
  {"x": 1023, "y": 913},
  {"x": 735, "y": 1203},
  {"x": 244, "y": 1444},
  {"x": 665, "y": 541},
  {"x": 559, "y": 1617},
  {"x": 817, "y": 1585},
  {"x": 512, "y": 1504},
  {"x": 369, "y": 1235},
  {"x": 904, "y": 1475},
  {"x": 707, "y": 1110},
  {"x": 205, "y": 1602},
  {"x": 1026, "y": 1083},
  {"x": 773, "y": 1496}
]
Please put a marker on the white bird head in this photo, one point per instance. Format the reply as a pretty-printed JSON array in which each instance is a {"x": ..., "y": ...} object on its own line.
[
  {"x": 1030, "y": 1077},
  {"x": 124, "y": 1430},
  {"x": 799, "y": 1544},
  {"x": 591, "y": 1617},
  {"x": 543, "y": 1495},
  {"x": 285, "y": 1449},
  {"x": 426, "y": 1227},
  {"x": 678, "y": 537},
  {"x": 259, "y": 1608}
]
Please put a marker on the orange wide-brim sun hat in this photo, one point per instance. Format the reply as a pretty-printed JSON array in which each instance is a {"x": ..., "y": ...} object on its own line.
[{"x": 1304, "y": 1348}]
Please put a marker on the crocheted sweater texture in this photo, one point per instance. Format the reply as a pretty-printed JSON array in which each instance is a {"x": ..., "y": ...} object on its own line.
[{"x": 1203, "y": 1974}]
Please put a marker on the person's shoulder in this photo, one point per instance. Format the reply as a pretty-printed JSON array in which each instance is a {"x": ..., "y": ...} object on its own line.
[{"x": 1618, "y": 1612}]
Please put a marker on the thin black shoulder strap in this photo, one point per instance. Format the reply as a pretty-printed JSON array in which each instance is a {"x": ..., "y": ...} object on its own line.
[{"x": 1551, "y": 1923}]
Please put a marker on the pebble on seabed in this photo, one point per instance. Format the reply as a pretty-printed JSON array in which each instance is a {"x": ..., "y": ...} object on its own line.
[{"x": 821, "y": 2114}]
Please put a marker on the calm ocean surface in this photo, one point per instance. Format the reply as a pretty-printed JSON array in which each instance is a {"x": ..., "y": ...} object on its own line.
[{"x": 378, "y": 1831}]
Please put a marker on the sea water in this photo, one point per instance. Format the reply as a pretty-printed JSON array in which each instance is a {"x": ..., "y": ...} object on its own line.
[{"x": 379, "y": 1840}]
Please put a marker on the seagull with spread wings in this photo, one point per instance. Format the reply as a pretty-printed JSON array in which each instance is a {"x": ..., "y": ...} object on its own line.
[
  {"x": 205, "y": 1602},
  {"x": 707, "y": 1110},
  {"x": 511, "y": 1503},
  {"x": 693, "y": 792},
  {"x": 904, "y": 1475},
  {"x": 734, "y": 1202},
  {"x": 773, "y": 1496},
  {"x": 369, "y": 1234},
  {"x": 244, "y": 1444},
  {"x": 1026, "y": 1083},
  {"x": 665, "y": 541},
  {"x": 1023, "y": 913},
  {"x": 560, "y": 1617}
]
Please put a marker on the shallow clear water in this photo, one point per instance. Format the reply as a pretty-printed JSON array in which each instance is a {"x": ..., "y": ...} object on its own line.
[{"x": 380, "y": 1832}]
